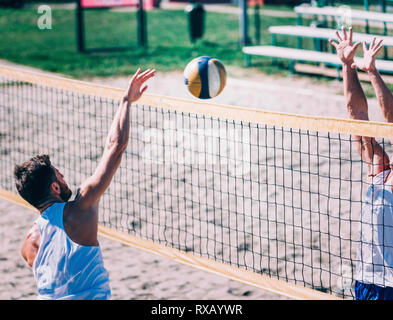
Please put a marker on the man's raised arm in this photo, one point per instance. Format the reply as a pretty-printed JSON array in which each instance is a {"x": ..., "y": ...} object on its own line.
[
  {"x": 367, "y": 64},
  {"x": 356, "y": 103},
  {"x": 116, "y": 143}
]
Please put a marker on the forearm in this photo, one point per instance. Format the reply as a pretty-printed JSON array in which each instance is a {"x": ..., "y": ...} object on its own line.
[
  {"x": 355, "y": 98},
  {"x": 115, "y": 146},
  {"x": 118, "y": 134},
  {"x": 357, "y": 107},
  {"x": 383, "y": 94}
]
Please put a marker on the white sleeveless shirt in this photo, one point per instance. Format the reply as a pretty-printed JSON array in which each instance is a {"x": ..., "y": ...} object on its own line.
[
  {"x": 64, "y": 269},
  {"x": 375, "y": 248}
]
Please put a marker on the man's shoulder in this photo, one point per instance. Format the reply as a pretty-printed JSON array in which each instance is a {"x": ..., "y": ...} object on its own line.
[
  {"x": 75, "y": 210},
  {"x": 80, "y": 224}
]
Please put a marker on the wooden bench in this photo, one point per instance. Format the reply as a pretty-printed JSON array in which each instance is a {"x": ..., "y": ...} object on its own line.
[
  {"x": 301, "y": 55},
  {"x": 323, "y": 34},
  {"x": 338, "y": 12}
]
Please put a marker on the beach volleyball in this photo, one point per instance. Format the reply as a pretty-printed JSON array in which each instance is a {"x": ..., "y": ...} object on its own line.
[
  {"x": 205, "y": 77},
  {"x": 234, "y": 141}
]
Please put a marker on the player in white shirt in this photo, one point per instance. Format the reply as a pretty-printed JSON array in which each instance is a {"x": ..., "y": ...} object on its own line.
[{"x": 374, "y": 270}]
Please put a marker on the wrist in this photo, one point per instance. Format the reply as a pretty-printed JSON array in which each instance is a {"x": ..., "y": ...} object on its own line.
[
  {"x": 126, "y": 99},
  {"x": 347, "y": 67},
  {"x": 348, "y": 63},
  {"x": 372, "y": 72}
]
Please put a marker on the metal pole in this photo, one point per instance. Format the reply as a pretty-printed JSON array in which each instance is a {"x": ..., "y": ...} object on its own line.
[
  {"x": 383, "y": 5},
  {"x": 80, "y": 27},
  {"x": 244, "y": 39},
  {"x": 366, "y": 6},
  {"x": 142, "y": 36},
  {"x": 257, "y": 24},
  {"x": 385, "y": 28}
]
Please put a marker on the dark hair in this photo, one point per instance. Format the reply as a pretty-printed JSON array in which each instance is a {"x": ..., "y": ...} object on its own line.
[{"x": 33, "y": 179}]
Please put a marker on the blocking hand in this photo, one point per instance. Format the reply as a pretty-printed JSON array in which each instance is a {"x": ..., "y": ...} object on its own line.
[
  {"x": 345, "y": 48},
  {"x": 367, "y": 64},
  {"x": 135, "y": 89}
]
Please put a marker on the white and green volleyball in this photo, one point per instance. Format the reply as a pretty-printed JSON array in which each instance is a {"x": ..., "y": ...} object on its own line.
[{"x": 205, "y": 77}]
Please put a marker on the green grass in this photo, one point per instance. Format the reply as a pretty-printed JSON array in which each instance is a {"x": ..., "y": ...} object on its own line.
[{"x": 169, "y": 46}]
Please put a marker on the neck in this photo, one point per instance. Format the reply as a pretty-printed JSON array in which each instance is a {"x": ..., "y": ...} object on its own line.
[{"x": 47, "y": 202}]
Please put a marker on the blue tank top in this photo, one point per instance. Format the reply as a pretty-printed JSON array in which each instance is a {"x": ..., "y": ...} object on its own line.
[{"x": 64, "y": 269}]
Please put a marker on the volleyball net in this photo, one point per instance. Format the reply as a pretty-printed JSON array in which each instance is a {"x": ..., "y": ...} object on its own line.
[{"x": 270, "y": 199}]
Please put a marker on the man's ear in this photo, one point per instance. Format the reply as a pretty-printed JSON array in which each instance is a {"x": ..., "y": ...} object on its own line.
[{"x": 55, "y": 188}]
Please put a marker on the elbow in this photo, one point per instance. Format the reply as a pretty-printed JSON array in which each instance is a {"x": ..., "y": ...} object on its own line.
[
  {"x": 25, "y": 257},
  {"x": 30, "y": 262},
  {"x": 22, "y": 253}
]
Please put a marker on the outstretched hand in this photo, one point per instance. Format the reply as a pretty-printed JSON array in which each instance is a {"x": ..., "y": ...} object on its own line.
[
  {"x": 367, "y": 64},
  {"x": 346, "y": 50},
  {"x": 136, "y": 86}
]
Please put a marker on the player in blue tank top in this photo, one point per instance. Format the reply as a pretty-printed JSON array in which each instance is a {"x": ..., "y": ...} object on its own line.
[
  {"x": 374, "y": 270},
  {"x": 62, "y": 245}
]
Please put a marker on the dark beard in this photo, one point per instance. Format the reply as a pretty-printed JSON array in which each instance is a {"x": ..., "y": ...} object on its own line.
[{"x": 65, "y": 192}]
